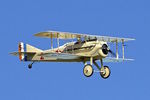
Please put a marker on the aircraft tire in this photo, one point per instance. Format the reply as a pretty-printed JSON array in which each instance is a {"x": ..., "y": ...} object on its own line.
[
  {"x": 30, "y": 66},
  {"x": 88, "y": 70},
  {"x": 105, "y": 72}
]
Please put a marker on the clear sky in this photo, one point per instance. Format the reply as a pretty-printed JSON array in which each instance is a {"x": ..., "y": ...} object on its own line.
[{"x": 20, "y": 19}]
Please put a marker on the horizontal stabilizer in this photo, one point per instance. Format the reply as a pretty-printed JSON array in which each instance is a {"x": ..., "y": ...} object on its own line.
[
  {"x": 17, "y": 53},
  {"x": 25, "y": 50}
]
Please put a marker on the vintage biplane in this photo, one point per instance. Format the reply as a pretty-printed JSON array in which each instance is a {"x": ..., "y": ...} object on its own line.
[{"x": 86, "y": 48}]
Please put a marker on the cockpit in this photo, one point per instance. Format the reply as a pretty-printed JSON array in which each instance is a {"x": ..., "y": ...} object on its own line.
[{"x": 81, "y": 41}]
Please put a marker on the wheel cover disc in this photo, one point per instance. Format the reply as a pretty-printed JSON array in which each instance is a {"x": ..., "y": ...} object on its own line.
[
  {"x": 105, "y": 72},
  {"x": 88, "y": 70}
]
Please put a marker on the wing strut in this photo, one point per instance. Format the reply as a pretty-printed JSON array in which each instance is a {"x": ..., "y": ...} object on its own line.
[
  {"x": 51, "y": 41},
  {"x": 117, "y": 55},
  {"x": 58, "y": 39},
  {"x": 72, "y": 45},
  {"x": 123, "y": 49}
]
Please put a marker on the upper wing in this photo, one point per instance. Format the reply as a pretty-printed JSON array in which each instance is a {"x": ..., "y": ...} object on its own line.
[
  {"x": 67, "y": 35},
  {"x": 60, "y": 35}
]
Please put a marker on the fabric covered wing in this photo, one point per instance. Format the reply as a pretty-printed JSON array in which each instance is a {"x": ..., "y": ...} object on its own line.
[
  {"x": 61, "y": 57},
  {"x": 17, "y": 53},
  {"x": 110, "y": 59},
  {"x": 67, "y": 35},
  {"x": 60, "y": 35}
]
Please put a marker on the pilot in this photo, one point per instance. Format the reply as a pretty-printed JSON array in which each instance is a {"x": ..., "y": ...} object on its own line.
[{"x": 78, "y": 41}]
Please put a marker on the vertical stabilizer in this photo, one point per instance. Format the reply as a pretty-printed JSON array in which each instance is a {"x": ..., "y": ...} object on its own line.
[{"x": 25, "y": 49}]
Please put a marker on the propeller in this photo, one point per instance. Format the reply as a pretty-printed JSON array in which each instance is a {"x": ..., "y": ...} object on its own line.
[
  {"x": 105, "y": 50},
  {"x": 112, "y": 53}
]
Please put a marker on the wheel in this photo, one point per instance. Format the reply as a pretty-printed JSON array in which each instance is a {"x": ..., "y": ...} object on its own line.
[
  {"x": 88, "y": 70},
  {"x": 105, "y": 72},
  {"x": 30, "y": 66}
]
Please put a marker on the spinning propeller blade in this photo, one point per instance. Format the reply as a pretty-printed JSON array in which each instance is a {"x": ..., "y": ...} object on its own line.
[
  {"x": 106, "y": 50},
  {"x": 112, "y": 53}
]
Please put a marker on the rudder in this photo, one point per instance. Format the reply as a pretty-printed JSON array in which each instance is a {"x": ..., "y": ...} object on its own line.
[{"x": 23, "y": 49}]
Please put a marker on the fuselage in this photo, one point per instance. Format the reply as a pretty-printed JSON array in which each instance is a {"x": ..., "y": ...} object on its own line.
[{"x": 73, "y": 51}]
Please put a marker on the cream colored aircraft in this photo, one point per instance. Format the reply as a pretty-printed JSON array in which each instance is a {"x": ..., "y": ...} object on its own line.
[{"x": 87, "y": 48}]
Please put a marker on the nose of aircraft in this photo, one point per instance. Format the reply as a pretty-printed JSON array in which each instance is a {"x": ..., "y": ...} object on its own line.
[{"x": 106, "y": 50}]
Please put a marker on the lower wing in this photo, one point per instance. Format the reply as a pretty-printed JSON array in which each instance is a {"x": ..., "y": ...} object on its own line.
[
  {"x": 64, "y": 57},
  {"x": 110, "y": 59}
]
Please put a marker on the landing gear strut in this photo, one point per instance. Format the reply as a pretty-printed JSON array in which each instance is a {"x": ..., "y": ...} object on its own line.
[
  {"x": 30, "y": 65},
  {"x": 103, "y": 70},
  {"x": 88, "y": 69}
]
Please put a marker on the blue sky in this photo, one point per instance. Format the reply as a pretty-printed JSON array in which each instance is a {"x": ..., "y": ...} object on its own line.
[{"x": 20, "y": 19}]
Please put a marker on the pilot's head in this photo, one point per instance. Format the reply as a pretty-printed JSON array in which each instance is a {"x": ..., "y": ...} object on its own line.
[{"x": 78, "y": 39}]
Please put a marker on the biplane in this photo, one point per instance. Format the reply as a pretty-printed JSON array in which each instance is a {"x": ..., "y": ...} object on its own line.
[{"x": 86, "y": 48}]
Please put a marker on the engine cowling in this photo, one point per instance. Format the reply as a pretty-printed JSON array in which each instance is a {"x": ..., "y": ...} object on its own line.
[{"x": 103, "y": 51}]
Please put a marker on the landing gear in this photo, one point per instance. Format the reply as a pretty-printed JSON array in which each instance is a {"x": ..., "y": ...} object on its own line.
[
  {"x": 30, "y": 65},
  {"x": 105, "y": 72},
  {"x": 88, "y": 70}
]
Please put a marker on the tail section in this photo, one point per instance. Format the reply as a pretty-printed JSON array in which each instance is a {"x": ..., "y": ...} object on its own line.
[{"x": 25, "y": 49}]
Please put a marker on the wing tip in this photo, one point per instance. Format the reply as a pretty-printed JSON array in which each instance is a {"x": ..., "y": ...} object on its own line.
[
  {"x": 129, "y": 59},
  {"x": 132, "y": 39}
]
